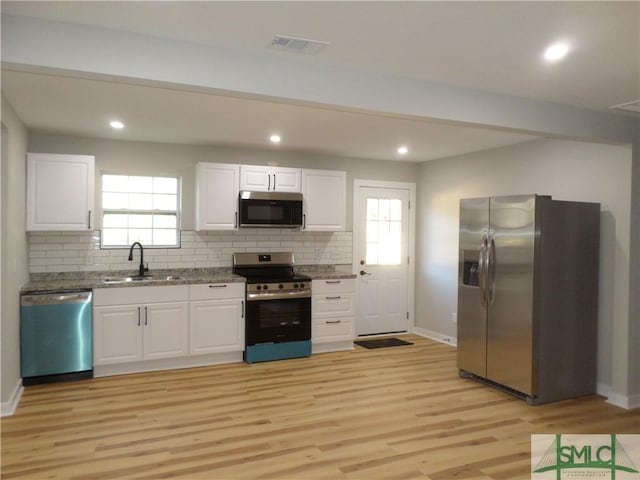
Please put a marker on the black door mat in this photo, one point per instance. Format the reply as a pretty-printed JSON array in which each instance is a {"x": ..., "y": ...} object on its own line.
[{"x": 382, "y": 343}]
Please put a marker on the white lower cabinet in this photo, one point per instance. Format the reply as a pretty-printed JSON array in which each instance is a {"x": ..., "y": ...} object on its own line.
[
  {"x": 140, "y": 323},
  {"x": 216, "y": 318},
  {"x": 333, "y": 314}
]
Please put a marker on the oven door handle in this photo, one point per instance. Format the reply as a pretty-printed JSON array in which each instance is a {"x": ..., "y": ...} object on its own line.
[{"x": 256, "y": 297}]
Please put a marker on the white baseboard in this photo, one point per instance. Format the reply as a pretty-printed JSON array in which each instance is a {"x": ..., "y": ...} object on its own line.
[
  {"x": 8, "y": 408},
  {"x": 628, "y": 402},
  {"x": 438, "y": 337}
]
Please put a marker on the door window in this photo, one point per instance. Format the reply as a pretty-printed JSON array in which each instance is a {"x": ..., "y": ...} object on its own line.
[{"x": 383, "y": 231}]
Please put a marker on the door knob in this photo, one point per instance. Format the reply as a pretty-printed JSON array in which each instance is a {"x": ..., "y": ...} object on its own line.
[{"x": 362, "y": 272}]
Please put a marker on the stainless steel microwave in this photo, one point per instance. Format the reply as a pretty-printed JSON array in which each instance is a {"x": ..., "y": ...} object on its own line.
[{"x": 270, "y": 209}]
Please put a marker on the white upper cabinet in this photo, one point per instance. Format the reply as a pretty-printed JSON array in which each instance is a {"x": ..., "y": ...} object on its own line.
[
  {"x": 217, "y": 188},
  {"x": 324, "y": 193},
  {"x": 60, "y": 191},
  {"x": 269, "y": 179}
]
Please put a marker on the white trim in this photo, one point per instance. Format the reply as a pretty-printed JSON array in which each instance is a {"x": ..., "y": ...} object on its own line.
[
  {"x": 623, "y": 401},
  {"x": 411, "y": 286},
  {"x": 438, "y": 337},
  {"x": 8, "y": 408}
]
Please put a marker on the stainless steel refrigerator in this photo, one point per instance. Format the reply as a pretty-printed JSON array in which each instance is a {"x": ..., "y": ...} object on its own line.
[{"x": 528, "y": 295}]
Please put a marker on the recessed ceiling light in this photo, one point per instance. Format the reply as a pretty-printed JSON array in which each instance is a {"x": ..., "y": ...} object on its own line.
[
  {"x": 275, "y": 138},
  {"x": 117, "y": 124},
  {"x": 556, "y": 51},
  {"x": 403, "y": 150}
]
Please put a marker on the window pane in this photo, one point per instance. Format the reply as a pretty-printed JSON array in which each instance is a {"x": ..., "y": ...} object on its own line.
[
  {"x": 396, "y": 210},
  {"x": 385, "y": 211},
  {"x": 372, "y": 208},
  {"x": 164, "y": 237},
  {"x": 128, "y": 203},
  {"x": 164, "y": 221},
  {"x": 164, "y": 202},
  {"x": 140, "y": 221},
  {"x": 140, "y": 201},
  {"x": 141, "y": 184},
  {"x": 115, "y": 236},
  {"x": 142, "y": 235},
  {"x": 111, "y": 220},
  {"x": 383, "y": 231},
  {"x": 115, "y": 183},
  {"x": 115, "y": 201},
  {"x": 165, "y": 185}
]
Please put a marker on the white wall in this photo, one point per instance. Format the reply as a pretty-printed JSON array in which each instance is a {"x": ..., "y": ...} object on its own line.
[
  {"x": 14, "y": 251},
  {"x": 566, "y": 170}
]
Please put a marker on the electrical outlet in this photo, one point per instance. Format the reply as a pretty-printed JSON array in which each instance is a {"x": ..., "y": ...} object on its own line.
[{"x": 454, "y": 317}]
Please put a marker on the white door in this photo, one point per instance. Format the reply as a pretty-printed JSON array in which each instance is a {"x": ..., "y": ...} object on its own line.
[
  {"x": 166, "y": 330},
  {"x": 381, "y": 257},
  {"x": 117, "y": 334},
  {"x": 216, "y": 326}
]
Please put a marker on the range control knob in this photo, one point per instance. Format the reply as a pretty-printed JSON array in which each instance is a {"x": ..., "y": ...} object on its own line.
[
  {"x": 302, "y": 285},
  {"x": 295, "y": 285},
  {"x": 266, "y": 287},
  {"x": 280, "y": 286},
  {"x": 258, "y": 287}
]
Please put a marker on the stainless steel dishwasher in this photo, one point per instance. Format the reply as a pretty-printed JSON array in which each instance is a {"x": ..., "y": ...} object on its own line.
[{"x": 56, "y": 336}]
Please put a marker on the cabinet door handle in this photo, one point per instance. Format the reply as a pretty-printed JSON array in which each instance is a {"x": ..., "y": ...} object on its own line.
[
  {"x": 89, "y": 221},
  {"x": 138, "y": 316},
  {"x": 332, "y": 321},
  {"x": 332, "y": 281},
  {"x": 242, "y": 316},
  {"x": 304, "y": 221},
  {"x": 274, "y": 181},
  {"x": 334, "y": 298},
  {"x": 269, "y": 186},
  {"x": 235, "y": 221},
  {"x": 146, "y": 317},
  {"x": 218, "y": 286}
]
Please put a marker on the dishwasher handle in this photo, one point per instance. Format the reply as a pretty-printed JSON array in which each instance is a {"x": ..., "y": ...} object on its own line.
[{"x": 56, "y": 298}]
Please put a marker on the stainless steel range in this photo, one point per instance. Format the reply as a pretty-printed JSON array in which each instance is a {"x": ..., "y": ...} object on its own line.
[{"x": 278, "y": 315}]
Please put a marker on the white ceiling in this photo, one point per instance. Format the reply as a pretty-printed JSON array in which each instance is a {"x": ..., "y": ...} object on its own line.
[{"x": 486, "y": 46}]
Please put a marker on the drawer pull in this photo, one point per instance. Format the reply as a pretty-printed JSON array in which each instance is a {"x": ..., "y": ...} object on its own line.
[
  {"x": 334, "y": 298},
  {"x": 217, "y": 286},
  {"x": 332, "y": 281},
  {"x": 333, "y": 321}
]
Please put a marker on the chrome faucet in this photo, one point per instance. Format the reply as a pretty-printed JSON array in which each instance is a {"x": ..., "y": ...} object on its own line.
[{"x": 142, "y": 268}]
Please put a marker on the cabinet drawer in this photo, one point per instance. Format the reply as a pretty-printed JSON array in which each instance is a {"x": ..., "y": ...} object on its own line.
[
  {"x": 334, "y": 285},
  {"x": 216, "y": 291},
  {"x": 329, "y": 328},
  {"x": 333, "y": 305},
  {"x": 137, "y": 295}
]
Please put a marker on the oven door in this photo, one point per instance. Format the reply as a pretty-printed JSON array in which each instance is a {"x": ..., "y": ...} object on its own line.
[{"x": 281, "y": 320}]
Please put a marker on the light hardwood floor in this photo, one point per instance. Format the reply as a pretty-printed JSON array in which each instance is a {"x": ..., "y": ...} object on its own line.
[{"x": 393, "y": 413}]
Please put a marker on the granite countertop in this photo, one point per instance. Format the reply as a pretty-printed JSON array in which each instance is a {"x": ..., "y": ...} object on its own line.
[{"x": 41, "y": 282}]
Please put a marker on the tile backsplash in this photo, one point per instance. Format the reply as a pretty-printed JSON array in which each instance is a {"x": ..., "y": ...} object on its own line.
[{"x": 80, "y": 251}]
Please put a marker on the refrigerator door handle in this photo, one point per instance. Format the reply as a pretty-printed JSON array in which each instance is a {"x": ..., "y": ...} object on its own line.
[
  {"x": 491, "y": 270},
  {"x": 482, "y": 269}
]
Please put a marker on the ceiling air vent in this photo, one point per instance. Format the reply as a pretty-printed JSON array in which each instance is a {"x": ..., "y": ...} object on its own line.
[
  {"x": 628, "y": 106},
  {"x": 297, "y": 45}
]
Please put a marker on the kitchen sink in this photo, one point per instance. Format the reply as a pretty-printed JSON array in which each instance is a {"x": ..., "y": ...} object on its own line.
[{"x": 137, "y": 279}]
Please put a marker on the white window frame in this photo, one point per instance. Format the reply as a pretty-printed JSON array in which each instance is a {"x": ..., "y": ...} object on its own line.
[{"x": 178, "y": 211}]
